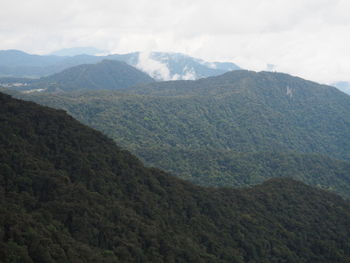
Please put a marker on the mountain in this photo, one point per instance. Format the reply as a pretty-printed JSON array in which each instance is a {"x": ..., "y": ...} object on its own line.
[
  {"x": 15, "y": 63},
  {"x": 69, "y": 194},
  {"x": 162, "y": 66},
  {"x": 107, "y": 74},
  {"x": 17, "y": 58},
  {"x": 237, "y": 129},
  {"x": 240, "y": 110},
  {"x": 248, "y": 111},
  {"x": 344, "y": 86}
]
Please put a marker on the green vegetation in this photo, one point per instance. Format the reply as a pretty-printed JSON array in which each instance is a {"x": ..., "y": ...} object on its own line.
[
  {"x": 228, "y": 168},
  {"x": 243, "y": 116},
  {"x": 69, "y": 194},
  {"x": 237, "y": 129}
]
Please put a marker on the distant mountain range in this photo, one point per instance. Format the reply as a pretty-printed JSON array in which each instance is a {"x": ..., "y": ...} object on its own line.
[{"x": 161, "y": 66}]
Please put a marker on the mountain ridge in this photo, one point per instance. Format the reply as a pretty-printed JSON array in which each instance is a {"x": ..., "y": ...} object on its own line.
[{"x": 14, "y": 63}]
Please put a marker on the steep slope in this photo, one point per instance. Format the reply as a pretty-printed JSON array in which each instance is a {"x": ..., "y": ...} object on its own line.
[
  {"x": 344, "y": 86},
  {"x": 107, "y": 74},
  {"x": 68, "y": 194}
]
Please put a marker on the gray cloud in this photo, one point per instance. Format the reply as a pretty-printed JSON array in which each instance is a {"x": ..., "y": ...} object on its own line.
[{"x": 308, "y": 38}]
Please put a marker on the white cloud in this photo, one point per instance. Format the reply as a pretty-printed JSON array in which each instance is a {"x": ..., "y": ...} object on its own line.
[
  {"x": 154, "y": 68},
  {"x": 189, "y": 74},
  {"x": 308, "y": 38}
]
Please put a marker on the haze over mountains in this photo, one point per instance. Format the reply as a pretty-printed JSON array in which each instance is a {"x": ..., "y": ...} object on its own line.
[
  {"x": 161, "y": 66},
  {"x": 69, "y": 194}
]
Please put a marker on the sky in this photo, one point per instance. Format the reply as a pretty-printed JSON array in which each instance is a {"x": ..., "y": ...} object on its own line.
[{"x": 307, "y": 38}]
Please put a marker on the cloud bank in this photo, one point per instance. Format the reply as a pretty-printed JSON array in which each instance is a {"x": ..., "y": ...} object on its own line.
[{"x": 305, "y": 38}]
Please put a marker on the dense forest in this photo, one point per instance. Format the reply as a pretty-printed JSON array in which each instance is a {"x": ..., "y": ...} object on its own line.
[
  {"x": 237, "y": 129},
  {"x": 228, "y": 168},
  {"x": 69, "y": 194}
]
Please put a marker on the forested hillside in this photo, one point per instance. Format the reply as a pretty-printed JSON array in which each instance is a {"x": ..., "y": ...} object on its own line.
[
  {"x": 241, "y": 111},
  {"x": 228, "y": 168},
  {"x": 69, "y": 194},
  {"x": 237, "y": 129}
]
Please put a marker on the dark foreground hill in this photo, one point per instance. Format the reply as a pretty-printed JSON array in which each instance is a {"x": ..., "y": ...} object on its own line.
[{"x": 69, "y": 194}]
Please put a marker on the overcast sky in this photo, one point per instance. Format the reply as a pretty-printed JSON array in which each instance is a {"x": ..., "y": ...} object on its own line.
[{"x": 308, "y": 38}]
